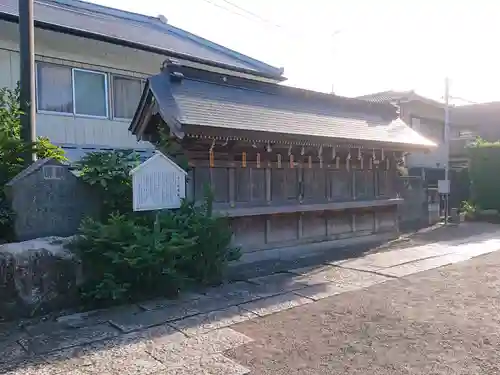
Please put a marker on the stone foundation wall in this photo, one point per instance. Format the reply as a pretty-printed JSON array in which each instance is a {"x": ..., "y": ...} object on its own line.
[{"x": 259, "y": 236}]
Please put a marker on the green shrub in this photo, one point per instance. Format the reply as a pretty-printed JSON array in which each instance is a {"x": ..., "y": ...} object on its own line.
[
  {"x": 483, "y": 172},
  {"x": 130, "y": 256},
  {"x": 205, "y": 262},
  {"x": 134, "y": 257},
  {"x": 125, "y": 259},
  {"x": 108, "y": 174},
  {"x": 12, "y": 150}
]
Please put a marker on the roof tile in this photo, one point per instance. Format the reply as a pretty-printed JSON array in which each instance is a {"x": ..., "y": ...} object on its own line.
[
  {"x": 222, "y": 106},
  {"x": 143, "y": 30}
]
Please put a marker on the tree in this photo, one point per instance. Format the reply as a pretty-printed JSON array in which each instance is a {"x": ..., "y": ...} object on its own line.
[{"x": 12, "y": 149}]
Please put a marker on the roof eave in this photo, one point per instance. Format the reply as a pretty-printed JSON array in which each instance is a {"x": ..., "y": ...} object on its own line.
[
  {"x": 143, "y": 111},
  {"x": 195, "y": 130},
  {"x": 126, "y": 43}
]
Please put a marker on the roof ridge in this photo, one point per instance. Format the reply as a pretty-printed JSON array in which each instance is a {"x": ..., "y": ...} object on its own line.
[
  {"x": 99, "y": 8},
  {"x": 369, "y": 108},
  {"x": 151, "y": 21}
]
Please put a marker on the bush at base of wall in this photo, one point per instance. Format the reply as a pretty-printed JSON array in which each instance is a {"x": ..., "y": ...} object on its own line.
[
  {"x": 484, "y": 174},
  {"x": 133, "y": 257}
]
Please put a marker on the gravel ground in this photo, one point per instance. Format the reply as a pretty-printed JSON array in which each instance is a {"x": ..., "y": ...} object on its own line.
[{"x": 443, "y": 321}]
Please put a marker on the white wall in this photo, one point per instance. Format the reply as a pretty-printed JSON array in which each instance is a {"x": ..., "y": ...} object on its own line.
[
  {"x": 81, "y": 53},
  {"x": 431, "y": 159}
]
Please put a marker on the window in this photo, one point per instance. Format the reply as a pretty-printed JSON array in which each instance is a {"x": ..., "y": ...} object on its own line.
[
  {"x": 54, "y": 88},
  {"x": 69, "y": 90},
  {"x": 90, "y": 93},
  {"x": 126, "y": 95},
  {"x": 433, "y": 130}
]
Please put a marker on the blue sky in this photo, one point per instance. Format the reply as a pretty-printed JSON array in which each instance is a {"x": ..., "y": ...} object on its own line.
[{"x": 359, "y": 46}]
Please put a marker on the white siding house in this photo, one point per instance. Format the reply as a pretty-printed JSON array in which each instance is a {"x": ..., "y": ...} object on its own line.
[{"x": 90, "y": 73}]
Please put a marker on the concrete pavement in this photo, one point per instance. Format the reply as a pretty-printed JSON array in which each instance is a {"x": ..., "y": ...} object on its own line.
[{"x": 191, "y": 334}]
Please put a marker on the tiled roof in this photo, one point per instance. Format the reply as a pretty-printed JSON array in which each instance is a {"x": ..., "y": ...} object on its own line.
[
  {"x": 397, "y": 96},
  {"x": 487, "y": 114},
  {"x": 386, "y": 96},
  {"x": 135, "y": 28},
  {"x": 221, "y": 106}
]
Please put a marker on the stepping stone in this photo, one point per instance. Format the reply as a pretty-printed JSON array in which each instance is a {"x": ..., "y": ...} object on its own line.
[
  {"x": 96, "y": 317},
  {"x": 317, "y": 292},
  {"x": 49, "y": 342},
  {"x": 236, "y": 293},
  {"x": 215, "y": 364},
  {"x": 11, "y": 352},
  {"x": 203, "y": 323},
  {"x": 166, "y": 302},
  {"x": 42, "y": 369},
  {"x": 218, "y": 341},
  {"x": 133, "y": 322},
  {"x": 422, "y": 265},
  {"x": 124, "y": 355},
  {"x": 279, "y": 283},
  {"x": 271, "y": 305}
]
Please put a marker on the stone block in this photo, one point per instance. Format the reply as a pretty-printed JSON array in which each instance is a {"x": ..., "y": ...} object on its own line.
[
  {"x": 280, "y": 283},
  {"x": 12, "y": 351},
  {"x": 215, "y": 364},
  {"x": 271, "y": 305},
  {"x": 135, "y": 321},
  {"x": 161, "y": 303},
  {"x": 203, "y": 323},
  {"x": 125, "y": 354},
  {"x": 96, "y": 317},
  {"x": 236, "y": 293},
  {"x": 37, "y": 276},
  {"x": 317, "y": 292},
  {"x": 192, "y": 348},
  {"x": 51, "y": 341}
]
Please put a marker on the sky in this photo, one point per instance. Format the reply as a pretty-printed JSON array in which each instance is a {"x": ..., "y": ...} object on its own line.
[{"x": 358, "y": 46}]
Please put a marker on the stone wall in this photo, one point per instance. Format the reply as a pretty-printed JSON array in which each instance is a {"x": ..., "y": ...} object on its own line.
[
  {"x": 51, "y": 207},
  {"x": 414, "y": 212}
]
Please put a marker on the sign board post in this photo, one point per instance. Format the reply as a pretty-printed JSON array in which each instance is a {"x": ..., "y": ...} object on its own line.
[
  {"x": 158, "y": 184},
  {"x": 444, "y": 191},
  {"x": 444, "y": 186}
]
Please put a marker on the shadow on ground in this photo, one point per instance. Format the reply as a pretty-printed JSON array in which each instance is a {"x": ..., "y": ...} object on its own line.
[{"x": 152, "y": 336}]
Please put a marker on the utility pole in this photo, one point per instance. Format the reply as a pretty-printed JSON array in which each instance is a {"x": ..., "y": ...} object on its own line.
[
  {"x": 332, "y": 91},
  {"x": 447, "y": 145},
  {"x": 27, "y": 76}
]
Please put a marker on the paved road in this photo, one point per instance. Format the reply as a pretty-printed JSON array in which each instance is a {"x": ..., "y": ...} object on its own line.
[{"x": 444, "y": 321}]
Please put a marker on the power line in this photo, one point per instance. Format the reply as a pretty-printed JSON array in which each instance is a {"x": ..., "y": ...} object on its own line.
[
  {"x": 255, "y": 17},
  {"x": 463, "y": 100},
  {"x": 226, "y": 9},
  {"x": 252, "y": 14}
]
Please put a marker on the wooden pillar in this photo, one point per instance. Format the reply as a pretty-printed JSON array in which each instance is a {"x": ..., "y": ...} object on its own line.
[
  {"x": 232, "y": 182},
  {"x": 190, "y": 185},
  {"x": 353, "y": 179},
  {"x": 268, "y": 201},
  {"x": 268, "y": 184},
  {"x": 300, "y": 226}
]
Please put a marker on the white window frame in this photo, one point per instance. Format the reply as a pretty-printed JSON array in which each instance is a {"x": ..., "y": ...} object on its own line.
[
  {"x": 112, "y": 97},
  {"x": 74, "y": 114},
  {"x": 106, "y": 92},
  {"x": 45, "y": 111}
]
